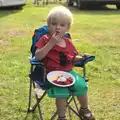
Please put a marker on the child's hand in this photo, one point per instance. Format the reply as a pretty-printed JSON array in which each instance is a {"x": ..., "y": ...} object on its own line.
[
  {"x": 55, "y": 38},
  {"x": 85, "y": 55}
]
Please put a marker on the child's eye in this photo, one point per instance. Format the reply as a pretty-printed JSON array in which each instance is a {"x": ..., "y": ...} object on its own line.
[{"x": 62, "y": 25}]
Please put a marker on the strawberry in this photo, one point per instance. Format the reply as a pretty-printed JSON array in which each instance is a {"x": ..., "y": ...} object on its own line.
[
  {"x": 55, "y": 81},
  {"x": 67, "y": 82}
]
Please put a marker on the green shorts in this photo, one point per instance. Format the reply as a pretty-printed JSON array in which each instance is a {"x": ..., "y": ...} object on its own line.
[{"x": 78, "y": 89}]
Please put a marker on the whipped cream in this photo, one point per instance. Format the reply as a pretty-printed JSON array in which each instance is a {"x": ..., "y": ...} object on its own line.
[{"x": 61, "y": 79}]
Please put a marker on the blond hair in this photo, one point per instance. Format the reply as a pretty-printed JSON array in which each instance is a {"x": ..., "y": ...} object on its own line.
[{"x": 60, "y": 13}]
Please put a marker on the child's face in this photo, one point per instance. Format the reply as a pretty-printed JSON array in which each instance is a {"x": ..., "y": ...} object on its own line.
[{"x": 59, "y": 26}]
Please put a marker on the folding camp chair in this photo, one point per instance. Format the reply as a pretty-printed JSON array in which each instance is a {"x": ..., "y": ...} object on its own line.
[{"x": 38, "y": 77}]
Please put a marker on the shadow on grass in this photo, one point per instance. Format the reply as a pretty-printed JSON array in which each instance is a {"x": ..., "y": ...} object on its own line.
[{"x": 5, "y": 11}]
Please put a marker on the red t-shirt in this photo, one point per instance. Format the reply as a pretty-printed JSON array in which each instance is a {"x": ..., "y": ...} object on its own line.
[{"x": 52, "y": 59}]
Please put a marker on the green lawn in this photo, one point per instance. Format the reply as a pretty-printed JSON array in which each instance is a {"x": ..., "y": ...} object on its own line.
[{"x": 94, "y": 31}]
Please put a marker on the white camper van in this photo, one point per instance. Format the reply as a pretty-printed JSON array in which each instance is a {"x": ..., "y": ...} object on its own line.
[{"x": 5, "y": 3}]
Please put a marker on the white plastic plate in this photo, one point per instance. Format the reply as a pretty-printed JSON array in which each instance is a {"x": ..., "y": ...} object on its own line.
[{"x": 51, "y": 76}]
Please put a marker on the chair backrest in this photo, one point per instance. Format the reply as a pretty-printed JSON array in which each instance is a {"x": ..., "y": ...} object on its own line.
[{"x": 38, "y": 33}]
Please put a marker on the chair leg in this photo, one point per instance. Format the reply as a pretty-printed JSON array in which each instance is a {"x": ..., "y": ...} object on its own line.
[
  {"x": 55, "y": 114},
  {"x": 30, "y": 93},
  {"x": 32, "y": 109},
  {"x": 75, "y": 103},
  {"x": 39, "y": 109},
  {"x": 39, "y": 99},
  {"x": 53, "y": 117},
  {"x": 69, "y": 112},
  {"x": 37, "y": 104},
  {"x": 73, "y": 110},
  {"x": 70, "y": 108}
]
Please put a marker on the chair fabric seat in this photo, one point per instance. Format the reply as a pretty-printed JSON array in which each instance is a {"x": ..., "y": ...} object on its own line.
[{"x": 78, "y": 89}]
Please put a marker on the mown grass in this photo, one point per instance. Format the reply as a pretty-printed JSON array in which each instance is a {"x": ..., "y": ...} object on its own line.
[{"x": 94, "y": 31}]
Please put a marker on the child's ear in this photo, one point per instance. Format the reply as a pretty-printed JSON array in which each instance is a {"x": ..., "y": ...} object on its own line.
[{"x": 68, "y": 27}]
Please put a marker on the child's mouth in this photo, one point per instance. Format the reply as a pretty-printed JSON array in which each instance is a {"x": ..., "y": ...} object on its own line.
[{"x": 57, "y": 32}]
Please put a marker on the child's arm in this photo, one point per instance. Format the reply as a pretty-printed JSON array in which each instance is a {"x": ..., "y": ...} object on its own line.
[
  {"x": 81, "y": 57},
  {"x": 78, "y": 58},
  {"x": 42, "y": 52}
]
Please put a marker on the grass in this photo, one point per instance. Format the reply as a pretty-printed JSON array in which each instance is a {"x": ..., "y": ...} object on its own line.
[{"x": 94, "y": 31}]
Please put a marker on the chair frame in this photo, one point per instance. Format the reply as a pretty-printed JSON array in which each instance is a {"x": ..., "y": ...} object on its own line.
[{"x": 38, "y": 100}]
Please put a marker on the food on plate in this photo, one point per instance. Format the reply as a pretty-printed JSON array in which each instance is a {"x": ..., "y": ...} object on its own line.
[{"x": 61, "y": 80}]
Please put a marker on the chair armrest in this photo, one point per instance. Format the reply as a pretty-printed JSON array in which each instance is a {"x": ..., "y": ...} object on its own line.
[
  {"x": 38, "y": 72},
  {"x": 33, "y": 61},
  {"x": 86, "y": 60}
]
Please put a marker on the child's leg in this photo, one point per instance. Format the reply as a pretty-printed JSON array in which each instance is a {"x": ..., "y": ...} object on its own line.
[
  {"x": 84, "y": 110},
  {"x": 80, "y": 89},
  {"x": 83, "y": 100},
  {"x": 61, "y": 108}
]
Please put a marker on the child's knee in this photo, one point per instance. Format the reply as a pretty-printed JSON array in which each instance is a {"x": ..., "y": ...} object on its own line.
[{"x": 61, "y": 100}]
